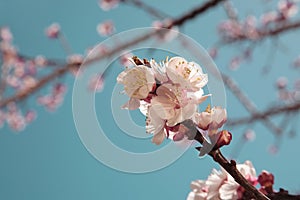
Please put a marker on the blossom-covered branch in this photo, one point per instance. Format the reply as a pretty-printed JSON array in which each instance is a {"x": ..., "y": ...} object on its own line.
[
  {"x": 248, "y": 104},
  {"x": 276, "y": 110},
  {"x": 20, "y": 95},
  {"x": 168, "y": 94}
]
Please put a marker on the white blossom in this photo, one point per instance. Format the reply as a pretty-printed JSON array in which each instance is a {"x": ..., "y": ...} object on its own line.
[{"x": 188, "y": 75}]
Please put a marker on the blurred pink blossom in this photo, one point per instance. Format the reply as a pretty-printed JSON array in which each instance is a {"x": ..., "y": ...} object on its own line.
[
  {"x": 281, "y": 82},
  {"x": 40, "y": 61},
  {"x": 165, "y": 34},
  {"x": 5, "y": 34},
  {"x": 54, "y": 99},
  {"x": 213, "y": 52},
  {"x": 30, "y": 116},
  {"x": 106, "y": 28},
  {"x": 235, "y": 63},
  {"x": 96, "y": 83},
  {"x": 125, "y": 59},
  {"x": 108, "y": 4},
  {"x": 269, "y": 17},
  {"x": 221, "y": 185},
  {"x": 249, "y": 135},
  {"x": 53, "y": 31},
  {"x": 287, "y": 8}
]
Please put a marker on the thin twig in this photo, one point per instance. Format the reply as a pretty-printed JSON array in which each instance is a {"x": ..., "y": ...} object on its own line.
[
  {"x": 149, "y": 9},
  {"x": 263, "y": 115},
  {"x": 265, "y": 32},
  {"x": 248, "y": 104}
]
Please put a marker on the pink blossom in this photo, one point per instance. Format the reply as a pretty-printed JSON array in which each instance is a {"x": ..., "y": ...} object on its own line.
[
  {"x": 221, "y": 185},
  {"x": 9, "y": 53},
  {"x": 155, "y": 125},
  {"x": 249, "y": 135},
  {"x": 75, "y": 59},
  {"x": 30, "y": 116},
  {"x": 53, "y": 31},
  {"x": 281, "y": 82},
  {"x": 54, "y": 99},
  {"x": 168, "y": 94},
  {"x": 106, "y": 28},
  {"x": 224, "y": 138},
  {"x": 159, "y": 70},
  {"x": 28, "y": 82},
  {"x": 199, "y": 191},
  {"x": 96, "y": 83},
  {"x": 269, "y": 17},
  {"x": 211, "y": 119},
  {"x": 13, "y": 81},
  {"x": 165, "y": 34},
  {"x": 266, "y": 179},
  {"x": 40, "y": 60},
  {"x": 230, "y": 30},
  {"x": 5, "y": 34},
  {"x": 138, "y": 81},
  {"x": 249, "y": 27},
  {"x": 213, "y": 52},
  {"x": 172, "y": 104},
  {"x": 108, "y": 4},
  {"x": 287, "y": 8},
  {"x": 188, "y": 75},
  {"x": 214, "y": 182},
  {"x": 16, "y": 121},
  {"x": 125, "y": 59},
  {"x": 14, "y": 118},
  {"x": 235, "y": 63},
  {"x": 230, "y": 188}
]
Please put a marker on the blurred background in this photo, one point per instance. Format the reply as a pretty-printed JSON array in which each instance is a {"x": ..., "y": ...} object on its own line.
[{"x": 46, "y": 159}]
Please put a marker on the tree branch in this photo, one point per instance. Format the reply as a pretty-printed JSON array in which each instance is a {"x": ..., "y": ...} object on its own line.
[
  {"x": 230, "y": 167},
  {"x": 21, "y": 95},
  {"x": 265, "y": 32},
  {"x": 263, "y": 115}
]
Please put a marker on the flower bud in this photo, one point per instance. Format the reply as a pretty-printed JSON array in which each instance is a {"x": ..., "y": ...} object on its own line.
[{"x": 225, "y": 138}]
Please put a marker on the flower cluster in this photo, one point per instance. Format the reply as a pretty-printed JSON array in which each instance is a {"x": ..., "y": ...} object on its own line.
[
  {"x": 54, "y": 99},
  {"x": 251, "y": 28},
  {"x": 169, "y": 93},
  {"x": 221, "y": 185},
  {"x": 15, "y": 118},
  {"x": 20, "y": 74}
]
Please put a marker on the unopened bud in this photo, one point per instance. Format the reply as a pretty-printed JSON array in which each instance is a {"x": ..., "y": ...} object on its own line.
[
  {"x": 266, "y": 180},
  {"x": 224, "y": 138}
]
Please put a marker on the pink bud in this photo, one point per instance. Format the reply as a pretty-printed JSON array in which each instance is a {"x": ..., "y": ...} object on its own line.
[
  {"x": 30, "y": 116},
  {"x": 108, "y": 4},
  {"x": 225, "y": 138},
  {"x": 96, "y": 83},
  {"x": 281, "y": 82},
  {"x": 106, "y": 28},
  {"x": 249, "y": 135},
  {"x": 40, "y": 61},
  {"x": 213, "y": 52},
  {"x": 124, "y": 60},
  {"x": 5, "y": 34},
  {"x": 53, "y": 31},
  {"x": 266, "y": 178}
]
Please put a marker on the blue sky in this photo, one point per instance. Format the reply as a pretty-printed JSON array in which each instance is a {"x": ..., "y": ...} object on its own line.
[{"x": 48, "y": 160}]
